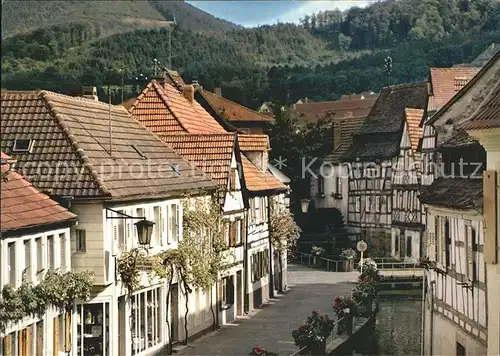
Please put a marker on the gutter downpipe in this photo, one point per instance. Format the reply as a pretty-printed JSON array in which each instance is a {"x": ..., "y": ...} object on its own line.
[
  {"x": 271, "y": 253},
  {"x": 432, "y": 318},
  {"x": 246, "y": 302},
  {"x": 422, "y": 337}
]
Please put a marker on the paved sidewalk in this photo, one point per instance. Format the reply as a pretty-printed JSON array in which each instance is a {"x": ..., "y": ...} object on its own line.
[{"x": 271, "y": 326}]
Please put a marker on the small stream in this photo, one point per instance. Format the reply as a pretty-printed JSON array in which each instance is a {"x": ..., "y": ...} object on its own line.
[{"x": 397, "y": 328}]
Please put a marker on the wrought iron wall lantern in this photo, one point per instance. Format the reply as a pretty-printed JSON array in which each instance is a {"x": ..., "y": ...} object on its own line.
[
  {"x": 304, "y": 205},
  {"x": 144, "y": 227}
]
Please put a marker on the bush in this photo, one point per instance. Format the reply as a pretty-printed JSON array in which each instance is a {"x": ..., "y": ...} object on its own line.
[{"x": 314, "y": 331}]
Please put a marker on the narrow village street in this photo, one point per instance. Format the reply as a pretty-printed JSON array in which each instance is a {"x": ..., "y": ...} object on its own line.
[{"x": 271, "y": 327}]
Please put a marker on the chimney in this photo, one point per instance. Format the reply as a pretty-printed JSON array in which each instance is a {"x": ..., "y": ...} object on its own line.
[
  {"x": 188, "y": 92},
  {"x": 90, "y": 93},
  {"x": 218, "y": 91}
]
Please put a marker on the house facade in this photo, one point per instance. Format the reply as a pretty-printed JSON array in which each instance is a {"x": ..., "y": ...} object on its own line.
[
  {"x": 457, "y": 305},
  {"x": 372, "y": 159},
  {"x": 113, "y": 173},
  {"x": 484, "y": 126},
  {"x": 406, "y": 216},
  {"x": 35, "y": 239}
]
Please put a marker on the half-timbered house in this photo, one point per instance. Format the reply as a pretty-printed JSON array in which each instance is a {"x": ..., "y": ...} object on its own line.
[
  {"x": 406, "y": 217},
  {"x": 372, "y": 158},
  {"x": 484, "y": 125},
  {"x": 455, "y": 314}
]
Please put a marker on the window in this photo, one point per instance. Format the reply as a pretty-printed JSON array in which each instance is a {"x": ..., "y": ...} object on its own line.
[
  {"x": 157, "y": 228},
  {"x": 368, "y": 203},
  {"x": 377, "y": 204},
  {"x": 471, "y": 246},
  {"x": 27, "y": 260},
  {"x": 145, "y": 320},
  {"x": 39, "y": 257},
  {"x": 232, "y": 179},
  {"x": 447, "y": 242},
  {"x": 321, "y": 185},
  {"x": 81, "y": 240},
  {"x": 251, "y": 212},
  {"x": 93, "y": 329},
  {"x": 23, "y": 146},
  {"x": 357, "y": 203},
  {"x": 141, "y": 213},
  {"x": 257, "y": 210},
  {"x": 120, "y": 231},
  {"x": 227, "y": 291},
  {"x": 238, "y": 232},
  {"x": 62, "y": 244},
  {"x": 408, "y": 246},
  {"x": 11, "y": 262},
  {"x": 338, "y": 185},
  {"x": 396, "y": 246},
  {"x": 51, "y": 253},
  {"x": 174, "y": 216}
]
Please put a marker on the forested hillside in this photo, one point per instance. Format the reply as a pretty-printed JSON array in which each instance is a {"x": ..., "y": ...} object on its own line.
[
  {"x": 110, "y": 16},
  {"x": 329, "y": 54}
]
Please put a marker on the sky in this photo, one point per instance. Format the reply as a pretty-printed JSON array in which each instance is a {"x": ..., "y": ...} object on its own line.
[{"x": 255, "y": 13}]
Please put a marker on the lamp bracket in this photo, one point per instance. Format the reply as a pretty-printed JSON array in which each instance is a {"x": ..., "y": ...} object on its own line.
[{"x": 121, "y": 215}]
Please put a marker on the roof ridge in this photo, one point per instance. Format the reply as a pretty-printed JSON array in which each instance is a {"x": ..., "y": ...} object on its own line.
[
  {"x": 74, "y": 142},
  {"x": 405, "y": 85},
  {"x": 484, "y": 102},
  {"x": 81, "y": 98}
]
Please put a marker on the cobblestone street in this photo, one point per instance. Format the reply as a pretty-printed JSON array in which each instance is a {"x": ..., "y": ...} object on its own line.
[{"x": 271, "y": 326}]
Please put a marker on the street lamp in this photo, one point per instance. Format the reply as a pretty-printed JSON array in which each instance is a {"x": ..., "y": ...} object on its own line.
[
  {"x": 144, "y": 231},
  {"x": 304, "y": 204},
  {"x": 144, "y": 227}
]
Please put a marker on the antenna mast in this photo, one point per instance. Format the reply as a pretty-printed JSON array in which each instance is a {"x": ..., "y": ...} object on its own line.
[{"x": 110, "y": 125}]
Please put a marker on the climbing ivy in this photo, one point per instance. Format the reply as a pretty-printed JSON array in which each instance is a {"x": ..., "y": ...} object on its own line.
[{"x": 58, "y": 290}]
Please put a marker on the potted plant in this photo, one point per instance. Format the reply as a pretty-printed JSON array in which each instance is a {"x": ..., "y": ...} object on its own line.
[
  {"x": 368, "y": 270},
  {"x": 260, "y": 351},
  {"x": 348, "y": 254},
  {"x": 317, "y": 251},
  {"x": 311, "y": 336},
  {"x": 340, "y": 305}
]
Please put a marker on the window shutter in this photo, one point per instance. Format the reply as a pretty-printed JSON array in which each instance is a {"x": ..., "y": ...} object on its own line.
[
  {"x": 114, "y": 248},
  {"x": 443, "y": 241},
  {"x": 129, "y": 238},
  {"x": 233, "y": 233},
  {"x": 6, "y": 346},
  {"x": 243, "y": 229},
  {"x": 67, "y": 338},
  {"x": 39, "y": 338},
  {"x": 56, "y": 337},
  {"x": 163, "y": 240},
  {"x": 27, "y": 341},
  {"x": 470, "y": 253},
  {"x": 491, "y": 225},
  {"x": 20, "y": 343}
]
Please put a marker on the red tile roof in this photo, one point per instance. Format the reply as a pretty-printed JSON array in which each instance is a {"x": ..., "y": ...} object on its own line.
[
  {"x": 446, "y": 82},
  {"x": 348, "y": 128},
  {"x": 253, "y": 142},
  {"x": 233, "y": 111},
  {"x": 312, "y": 112},
  {"x": 413, "y": 118},
  {"x": 72, "y": 149},
  {"x": 164, "y": 110},
  {"x": 212, "y": 152},
  {"x": 23, "y": 206},
  {"x": 257, "y": 180},
  {"x": 488, "y": 114}
]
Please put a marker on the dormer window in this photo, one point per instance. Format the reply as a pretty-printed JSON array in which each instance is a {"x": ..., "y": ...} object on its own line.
[{"x": 21, "y": 146}]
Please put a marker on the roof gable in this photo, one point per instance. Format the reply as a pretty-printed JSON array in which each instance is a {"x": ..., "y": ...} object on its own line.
[
  {"x": 446, "y": 82},
  {"x": 257, "y": 180},
  {"x": 164, "y": 109},
  {"x": 413, "y": 118},
  {"x": 212, "y": 152},
  {"x": 23, "y": 206},
  {"x": 252, "y": 142},
  {"x": 100, "y": 150},
  {"x": 464, "y": 103},
  {"x": 487, "y": 115},
  {"x": 348, "y": 128}
]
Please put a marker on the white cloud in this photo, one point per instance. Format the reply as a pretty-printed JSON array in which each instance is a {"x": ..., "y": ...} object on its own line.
[{"x": 310, "y": 7}]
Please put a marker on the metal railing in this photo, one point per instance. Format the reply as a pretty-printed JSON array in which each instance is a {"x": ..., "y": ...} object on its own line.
[{"x": 342, "y": 265}]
